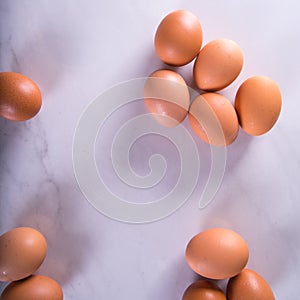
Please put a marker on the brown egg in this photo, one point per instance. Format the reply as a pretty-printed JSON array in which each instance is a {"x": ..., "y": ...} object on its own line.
[
  {"x": 258, "y": 104},
  {"x": 35, "y": 287},
  {"x": 20, "y": 97},
  {"x": 203, "y": 290},
  {"x": 22, "y": 251},
  {"x": 249, "y": 285},
  {"x": 218, "y": 64},
  {"x": 213, "y": 119},
  {"x": 167, "y": 97},
  {"x": 178, "y": 38},
  {"x": 217, "y": 253}
]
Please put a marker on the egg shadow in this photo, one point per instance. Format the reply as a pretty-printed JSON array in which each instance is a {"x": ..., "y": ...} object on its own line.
[
  {"x": 3, "y": 286},
  {"x": 237, "y": 150},
  {"x": 241, "y": 218},
  {"x": 7, "y": 129},
  {"x": 10, "y": 132},
  {"x": 149, "y": 63},
  {"x": 172, "y": 287},
  {"x": 55, "y": 212}
]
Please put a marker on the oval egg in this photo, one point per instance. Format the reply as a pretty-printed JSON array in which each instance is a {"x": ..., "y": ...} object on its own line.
[
  {"x": 213, "y": 119},
  {"x": 217, "y": 253},
  {"x": 178, "y": 38},
  {"x": 167, "y": 97},
  {"x": 203, "y": 290},
  {"x": 33, "y": 288},
  {"x": 258, "y": 104},
  {"x": 249, "y": 285},
  {"x": 20, "y": 97},
  {"x": 218, "y": 64},
  {"x": 22, "y": 251}
]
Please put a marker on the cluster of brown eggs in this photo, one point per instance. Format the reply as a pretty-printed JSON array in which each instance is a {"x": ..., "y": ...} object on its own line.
[
  {"x": 22, "y": 251},
  {"x": 214, "y": 119},
  {"x": 220, "y": 253},
  {"x": 216, "y": 253}
]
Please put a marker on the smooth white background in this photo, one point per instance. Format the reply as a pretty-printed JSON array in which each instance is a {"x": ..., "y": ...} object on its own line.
[{"x": 76, "y": 49}]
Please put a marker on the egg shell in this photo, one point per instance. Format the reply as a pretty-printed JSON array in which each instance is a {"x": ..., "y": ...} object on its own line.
[
  {"x": 35, "y": 287},
  {"x": 249, "y": 285},
  {"x": 217, "y": 253},
  {"x": 218, "y": 64},
  {"x": 167, "y": 97},
  {"x": 22, "y": 251},
  {"x": 20, "y": 97},
  {"x": 203, "y": 290},
  {"x": 178, "y": 38},
  {"x": 258, "y": 104},
  {"x": 213, "y": 119}
]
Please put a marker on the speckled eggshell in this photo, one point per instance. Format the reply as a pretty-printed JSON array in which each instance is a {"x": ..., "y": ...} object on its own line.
[
  {"x": 35, "y": 287},
  {"x": 203, "y": 290},
  {"x": 217, "y": 253},
  {"x": 178, "y": 38},
  {"x": 249, "y": 285},
  {"x": 22, "y": 251},
  {"x": 213, "y": 119},
  {"x": 218, "y": 64},
  {"x": 166, "y": 97},
  {"x": 20, "y": 97},
  {"x": 258, "y": 104}
]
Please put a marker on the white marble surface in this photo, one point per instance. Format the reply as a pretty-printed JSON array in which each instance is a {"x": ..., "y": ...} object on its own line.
[{"x": 76, "y": 49}]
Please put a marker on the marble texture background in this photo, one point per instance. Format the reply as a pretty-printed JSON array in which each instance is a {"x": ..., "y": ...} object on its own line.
[{"x": 76, "y": 49}]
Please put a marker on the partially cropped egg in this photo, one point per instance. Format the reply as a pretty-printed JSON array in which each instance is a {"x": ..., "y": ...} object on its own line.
[
  {"x": 35, "y": 287},
  {"x": 249, "y": 285},
  {"x": 218, "y": 64},
  {"x": 166, "y": 97},
  {"x": 178, "y": 38},
  {"x": 22, "y": 251},
  {"x": 217, "y": 253},
  {"x": 20, "y": 97},
  {"x": 258, "y": 104},
  {"x": 203, "y": 290},
  {"x": 213, "y": 119}
]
